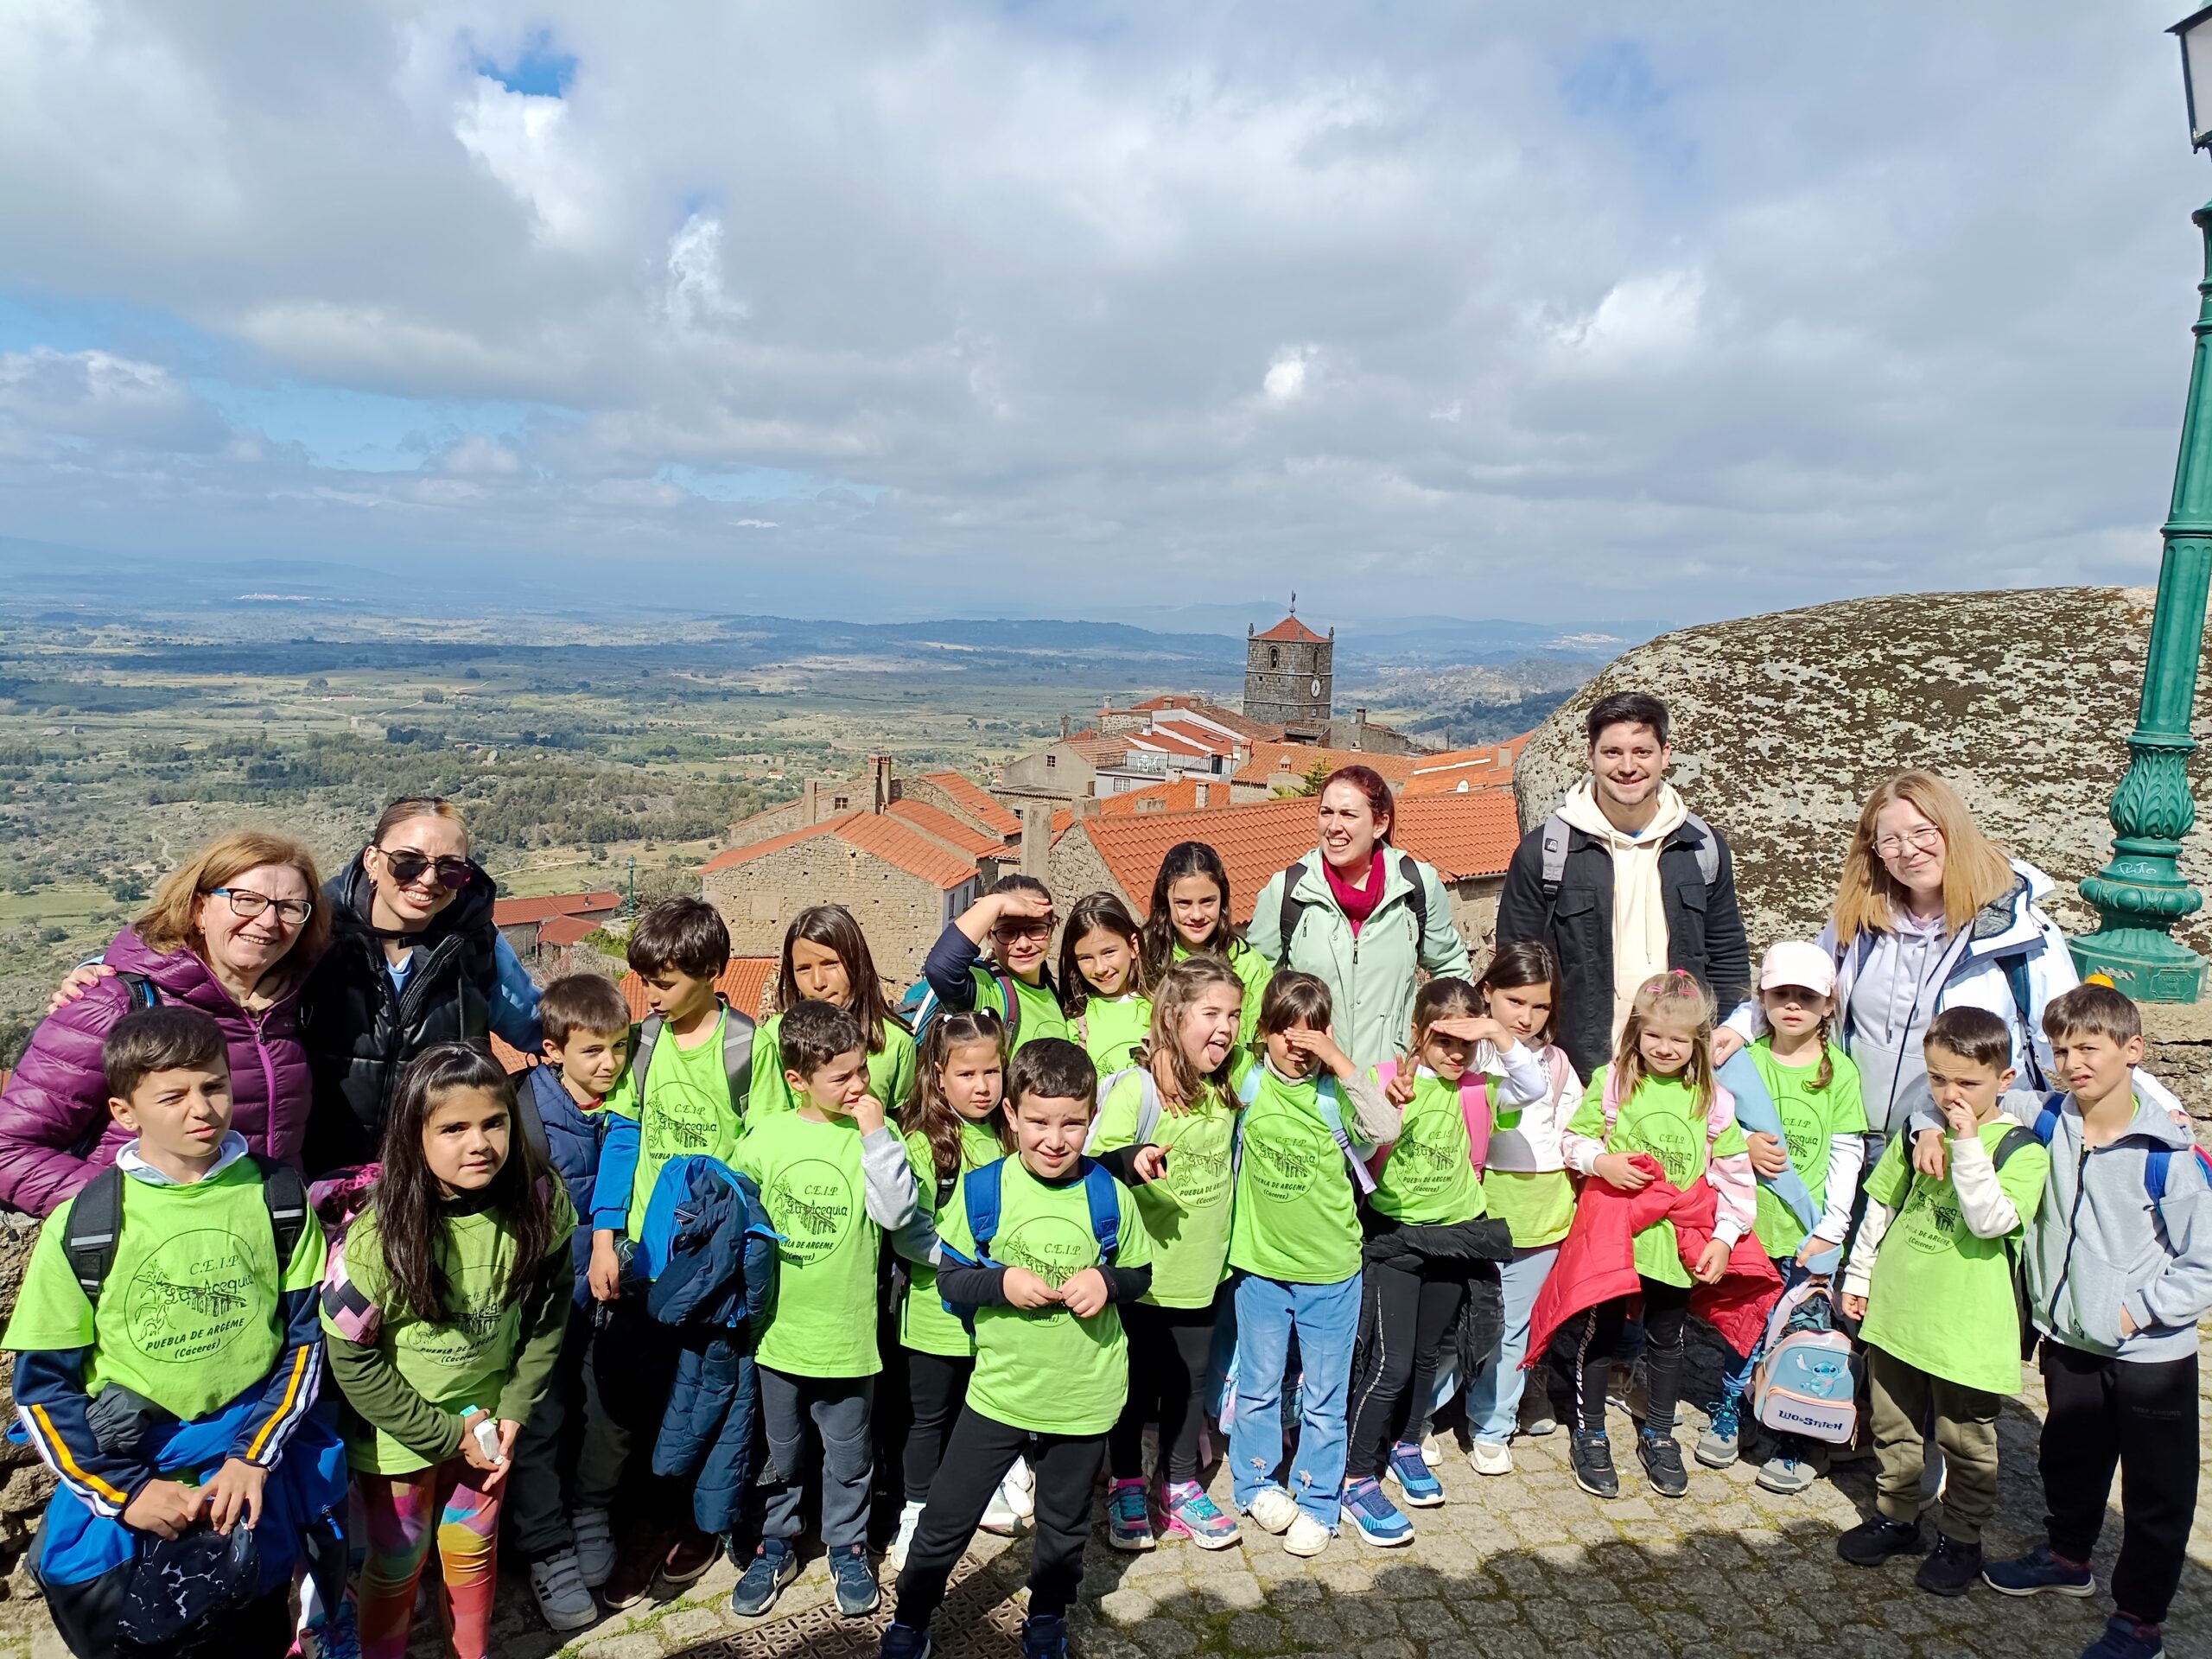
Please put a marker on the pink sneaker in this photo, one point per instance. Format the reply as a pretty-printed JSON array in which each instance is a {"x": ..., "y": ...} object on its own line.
[
  {"x": 1129, "y": 1524},
  {"x": 1198, "y": 1517}
]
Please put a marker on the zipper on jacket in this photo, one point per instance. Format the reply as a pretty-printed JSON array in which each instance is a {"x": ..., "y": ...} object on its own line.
[
  {"x": 268, "y": 1078},
  {"x": 2073, "y": 1231},
  {"x": 440, "y": 953}
]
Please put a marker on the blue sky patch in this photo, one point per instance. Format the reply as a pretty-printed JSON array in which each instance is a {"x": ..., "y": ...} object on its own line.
[{"x": 540, "y": 70}]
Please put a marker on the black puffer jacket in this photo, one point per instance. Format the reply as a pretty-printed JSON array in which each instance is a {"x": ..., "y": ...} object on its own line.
[{"x": 360, "y": 1033}]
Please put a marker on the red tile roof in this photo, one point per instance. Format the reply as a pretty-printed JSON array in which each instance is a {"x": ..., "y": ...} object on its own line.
[
  {"x": 1297, "y": 759},
  {"x": 520, "y": 912},
  {"x": 1463, "y": 835},
  {"x": 945, "y": 827},
  {"x": 887, "y": 838},
  {"x": 564, "y": 931},
  {"x": 1291, "y": 631},
  {"x": 744, "y": 982},
  {"x": 976, "y": 801},
  {"x": 1458, "y": 769}
]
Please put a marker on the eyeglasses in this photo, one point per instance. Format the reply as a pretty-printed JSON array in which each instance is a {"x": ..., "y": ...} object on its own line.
[
  {"x": 1035, "y": 927},
  {"x": 247, "y": 903},
  {"x": 1926, "y": 839},
  {"x": 407, "y": 865}
]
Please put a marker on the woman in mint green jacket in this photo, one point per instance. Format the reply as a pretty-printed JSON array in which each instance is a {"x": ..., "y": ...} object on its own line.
[{"x": 1361, "y": 916}]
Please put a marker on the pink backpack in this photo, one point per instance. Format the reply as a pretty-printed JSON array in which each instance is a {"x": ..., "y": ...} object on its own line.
[{"x": 1474, "y": 1106}]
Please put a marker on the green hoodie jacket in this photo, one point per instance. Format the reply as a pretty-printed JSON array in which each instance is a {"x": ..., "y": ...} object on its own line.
[{"x": 1371, "y": 979}]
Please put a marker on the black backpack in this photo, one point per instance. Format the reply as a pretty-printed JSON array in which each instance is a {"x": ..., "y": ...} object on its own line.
[
  {"x": 95, "y": 1226},
  {"x": 1294, "y": 908}
]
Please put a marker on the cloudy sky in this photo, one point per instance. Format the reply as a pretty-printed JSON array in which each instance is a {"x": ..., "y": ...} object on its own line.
[{"x": 1073, "y": 308}]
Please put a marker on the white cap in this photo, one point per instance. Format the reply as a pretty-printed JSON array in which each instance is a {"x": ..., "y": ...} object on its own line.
[{"x": 1795, "y": 962}]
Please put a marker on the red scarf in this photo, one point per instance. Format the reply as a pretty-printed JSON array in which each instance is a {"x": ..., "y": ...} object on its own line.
[{"x": 1357, "y": 903}]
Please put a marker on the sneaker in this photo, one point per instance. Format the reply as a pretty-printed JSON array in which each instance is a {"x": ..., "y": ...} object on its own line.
[
  {"x": 857, "y": 1595},
  {"x": 904, "y": 1641},
  {"x": 2126, "y": 1639},
  {"x": 1306, "y": 1535},
  {"x": 338, "y": 1636},
  {"x": 1537, "y": 1419},
  {"x": 595, "y": 1531},
  {"x": 636, "y": 1564},
  {"x": 1044, "y": 1635},
  {"x": 1273, "y": 1510},
  {"x": 910, "y": 1517},
  {"x": 689, "y": 1557},
  {"x": 1368, "y": 1507},
  {"x": 1194, "y": 1516},
  {"x": 563, "y": 1600},
  {"x": 2038, "y": 1571},
  {"x": 1626, "y": 1390},
  {"x": 1129, "y": 1519},
  {"x": 998, "y": 1516},
  {"x": 775, "y": 1564},
  {"x": 1489, "y": 1458},
  {"x": 1663, "y": 1464},
  {"x": 1787, "y": 1473},
  {"x": 1872, "y": 1542},
  {"x": 1590, "y": 1454},
  {"x": 1420, "y": 1490},
  {"x": 1718, "y": 1446},
  {"x": 1951, "y": 1570},
  {"x": 1019, "y": 1487},
  {"x": 1431, "y": 1450}
]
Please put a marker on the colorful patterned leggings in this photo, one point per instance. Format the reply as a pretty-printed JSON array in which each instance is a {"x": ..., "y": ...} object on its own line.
[{"x": 396, "y": 1514}]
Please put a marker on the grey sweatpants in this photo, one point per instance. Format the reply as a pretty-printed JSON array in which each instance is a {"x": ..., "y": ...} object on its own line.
[
  {"x": 536, "y": 1512},
  {"x": 839, "y": 1409}
]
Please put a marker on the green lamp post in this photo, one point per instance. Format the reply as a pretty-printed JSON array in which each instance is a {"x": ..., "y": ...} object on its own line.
[{"x": 2140, "y": 894}]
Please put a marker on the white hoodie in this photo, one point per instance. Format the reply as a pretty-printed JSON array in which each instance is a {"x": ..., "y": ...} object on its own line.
[{"x": 1639, "y": 900}]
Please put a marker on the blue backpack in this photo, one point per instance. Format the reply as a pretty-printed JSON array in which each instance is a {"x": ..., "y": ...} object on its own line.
[
  {"x": 2158, "y": 1163},
  {"x": 1325, "y": 1102},
  {"x": 1099, "y": 1192},
  {"x": 920, "y": 1005}
]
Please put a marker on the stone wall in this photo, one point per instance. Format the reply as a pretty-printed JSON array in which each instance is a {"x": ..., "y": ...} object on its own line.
[
  {"x": 24, "y": 1483},
  {"x": 901, "y": 914}
]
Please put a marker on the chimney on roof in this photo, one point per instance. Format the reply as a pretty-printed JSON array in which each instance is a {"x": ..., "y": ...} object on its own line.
[
  {"x": 1086, "y": 806},
  {"x": 1065, "y": 724},
  {"x": 810, "y": 792},
  {"x": 1201, "y": 795},
  {"x": 1036, "y": 838},
  {"x": 880, "y": 769}
]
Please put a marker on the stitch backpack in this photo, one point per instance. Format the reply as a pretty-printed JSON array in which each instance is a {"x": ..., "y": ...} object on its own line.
[{"x": 1808, "y": 1382}]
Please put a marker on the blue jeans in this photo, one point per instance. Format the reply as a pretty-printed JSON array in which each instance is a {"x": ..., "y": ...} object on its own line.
[
  {"x": 1494, "y": 1398},
  {"x": 1326, "y": 1319}
]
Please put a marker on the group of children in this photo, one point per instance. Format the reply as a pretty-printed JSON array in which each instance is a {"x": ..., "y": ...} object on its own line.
[{"x": 1149, "y": 1194}]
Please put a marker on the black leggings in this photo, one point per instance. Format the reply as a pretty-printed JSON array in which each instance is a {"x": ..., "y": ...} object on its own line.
[
  {"x": 938, "y": 1386},
  {"x": 1592, "y": 1341},
  {"x": 1416, "y": 1306},
  {"x": 1169, "y": 1351},
  {"x": 981, "y": 1450}
]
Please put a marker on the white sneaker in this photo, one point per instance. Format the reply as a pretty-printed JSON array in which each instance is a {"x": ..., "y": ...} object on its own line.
[
  {"x": 563, "y": 1602},
  {"x": 1431, "y": 1450},
  {"x": 1000, "y": 1516},
  {"x": 1489, "y": 1459},
  {"x": 1307, "y": 1536},
  {"x": 595, "y": 1530},
  {"x": 909, "y": 1518},
  {"x": 1019, "y": 1489},
  {"x": 1274, "y": 1510}
]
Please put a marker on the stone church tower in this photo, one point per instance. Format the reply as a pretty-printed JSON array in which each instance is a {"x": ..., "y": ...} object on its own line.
[{"x": 1290, "y": 678}]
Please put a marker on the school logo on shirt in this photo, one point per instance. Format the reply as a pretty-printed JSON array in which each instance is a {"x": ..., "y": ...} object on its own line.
[
  {"x": 1929, "y": 1221},
  {"x": 1418, "y": 1166},
  {"x": 1804, "y": 1133},
  {"x": 1054, "y": 1248},
  {"x": 475, "y": 1327},
  {"x": 1199, "y": 1179},
  {"x": 1673, "y": 1143},
  {"x": 1282, "y": 1171},
  {"x": 683, "y": 1121},
  {"x": 192, "y": 1298},
  {"x": 811, "y": 1203}
]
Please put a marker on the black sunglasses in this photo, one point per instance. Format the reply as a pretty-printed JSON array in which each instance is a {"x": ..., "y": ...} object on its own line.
[{"x": 408, "y": 865}]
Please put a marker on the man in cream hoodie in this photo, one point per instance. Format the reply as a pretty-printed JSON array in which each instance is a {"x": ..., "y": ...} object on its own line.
[{"x": 1624, "y": 881}]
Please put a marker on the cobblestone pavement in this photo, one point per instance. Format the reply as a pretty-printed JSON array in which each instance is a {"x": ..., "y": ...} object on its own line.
[{"x": 1522, "y": 1566}]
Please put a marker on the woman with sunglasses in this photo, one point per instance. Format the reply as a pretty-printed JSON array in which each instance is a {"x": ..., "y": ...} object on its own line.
[
  {"x": 233, "y": 933},
  {"x": 413, "y": 960}
]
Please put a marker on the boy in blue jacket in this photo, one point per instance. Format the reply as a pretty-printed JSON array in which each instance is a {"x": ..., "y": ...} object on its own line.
[{"x": 563, "y": 1112}]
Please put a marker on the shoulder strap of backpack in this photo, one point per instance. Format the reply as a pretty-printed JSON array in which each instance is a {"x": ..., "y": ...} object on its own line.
[
  {"x": 2016, "y": 981},
  {"x": 1475, "y": 1109},
  {"x": 1555, "y": 848},
  {"x": 983, "y": 1188},
  {"x": 648, "y": 1030},
  {"x": 144, "y": 994},
  {"x": 737, "y": 1057},
  {"x": 1010, "y": 1004},
  {"x": 1099, "y": 1192},
  {"x": 2046, "y": 1123},
  {"x": 1708, "y": 848},
  {"x": 2010, "y": 1142},
  {"x": 95, "y": 1225},
  {"x": 1409, "y": 867},
  {"x": 286, "y": 1195},
  {"x": 1149, "y": 1108},
  {"x": 1331, "y": 1110}
]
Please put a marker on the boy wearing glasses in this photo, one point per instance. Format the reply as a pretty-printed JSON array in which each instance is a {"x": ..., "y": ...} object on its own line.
[{"x": 1014, "y": 922}]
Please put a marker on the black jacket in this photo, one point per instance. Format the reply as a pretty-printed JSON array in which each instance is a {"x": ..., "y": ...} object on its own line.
[
  {"x": 1705, "y": 929},
  {"x": 360, "y": 1033}
]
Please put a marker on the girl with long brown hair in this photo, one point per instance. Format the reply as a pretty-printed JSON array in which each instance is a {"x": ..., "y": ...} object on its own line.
[{"x": 826, "y": 959}]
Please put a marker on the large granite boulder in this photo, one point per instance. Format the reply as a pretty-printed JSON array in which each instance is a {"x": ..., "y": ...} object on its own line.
[{"x": 1784, "y": 723}]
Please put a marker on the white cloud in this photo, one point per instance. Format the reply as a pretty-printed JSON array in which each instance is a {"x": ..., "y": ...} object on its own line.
[
  {"x": 1285, "y": 380},
  {"x": 695, "y": 295},
  {"x": 97, "y": 395}
]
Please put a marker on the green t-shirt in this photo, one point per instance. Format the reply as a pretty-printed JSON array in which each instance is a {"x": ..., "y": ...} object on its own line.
[
  {"x": 924, "y": 1326},
  {"x": 1296, "y": 1216},
  {"x": 890, "y": 1074},
  {"x": 1041, "y": 1014},
  {"x": 1809, "y": 1117},
  {"x": 1112, "y": 1027},
  {"x": 686, "y": 1111},
  {"x": 1186, "y": 1210},
  {"x": 1537, "y": 1206},
  {"x": 812, "y": 1187},
  {"x": 1254, "y": 971},
  {"x": 1662, "y": 1119},
  {"x": 1941, "y": 1299},
  {"x": 189, "y": 1316},
  {"x": 1045, "y": 1369},
  {"x": 459, "y": 1364},
  {"x": 1429, "y": 1180}
]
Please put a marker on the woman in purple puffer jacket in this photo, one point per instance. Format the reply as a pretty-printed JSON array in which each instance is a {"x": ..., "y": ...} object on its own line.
[{"x": 232, "y": 933}]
